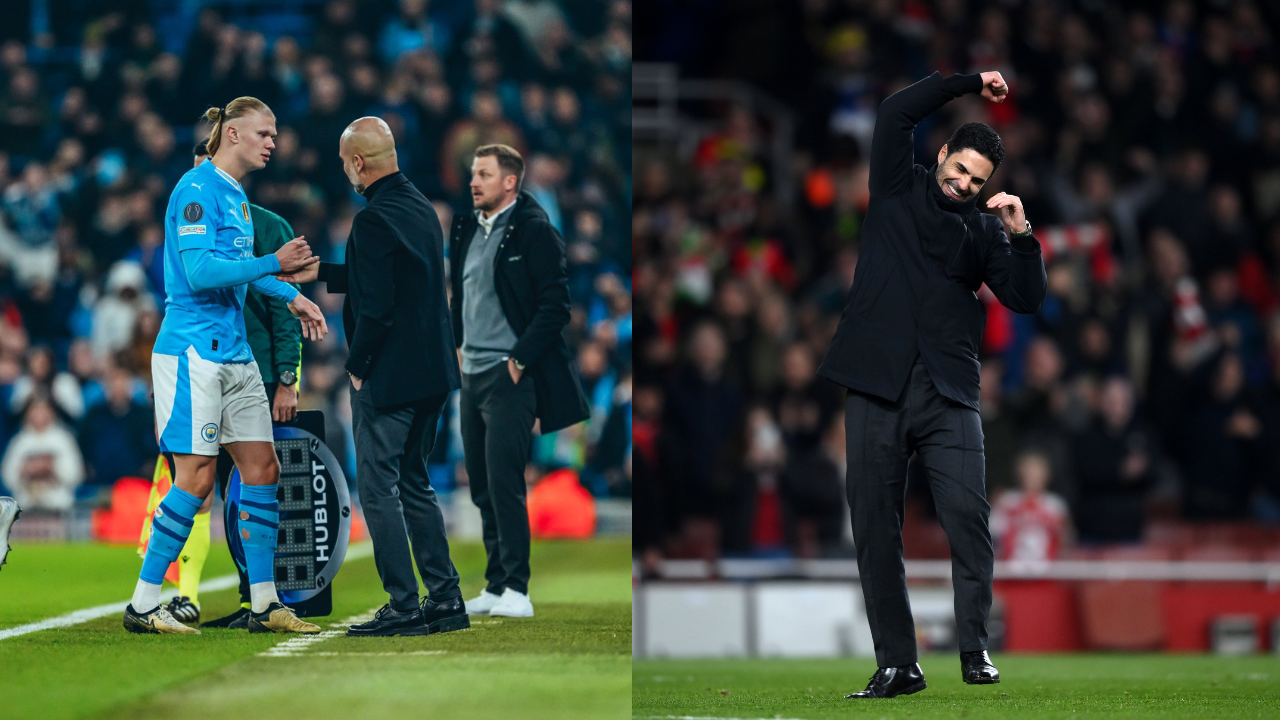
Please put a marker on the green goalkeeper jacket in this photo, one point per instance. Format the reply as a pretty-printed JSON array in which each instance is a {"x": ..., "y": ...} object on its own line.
[{"x": 275, "y": 335}]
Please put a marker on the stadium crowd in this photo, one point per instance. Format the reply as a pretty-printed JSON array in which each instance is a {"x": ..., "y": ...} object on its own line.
[
  {"x": 98, "y": 117},
  {"x": 1144, "y": 141}
]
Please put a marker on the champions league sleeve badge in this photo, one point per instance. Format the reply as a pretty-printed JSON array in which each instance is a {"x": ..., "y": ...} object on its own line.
[{"x": 315, "y": 520}]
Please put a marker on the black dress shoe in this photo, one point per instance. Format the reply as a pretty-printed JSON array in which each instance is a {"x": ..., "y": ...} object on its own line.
[
  {"x": 976, "y": 668},
  {"x": 445, "y": 616},
  {"x": 892, "y": 682},
  {"x": 388, "y": 621}
]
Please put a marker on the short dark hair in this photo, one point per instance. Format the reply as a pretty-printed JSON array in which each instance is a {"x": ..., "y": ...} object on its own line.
[
  {"x": 980, "y": 138},
  {"x": 509, "y": 160},
  {"x": 201, "y": 149}
]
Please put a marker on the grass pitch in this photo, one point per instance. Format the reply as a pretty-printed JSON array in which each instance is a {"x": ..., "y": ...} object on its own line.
[
  {"x": 572, "y": 660},
  {"x": 1032, "y": 686}
]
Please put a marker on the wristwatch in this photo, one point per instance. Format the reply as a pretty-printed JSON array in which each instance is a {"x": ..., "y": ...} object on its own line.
[
  {"x": 1024, "y": 233},
  {"x": 288, "y": 377},
  {"x": 519, "y": 365}
]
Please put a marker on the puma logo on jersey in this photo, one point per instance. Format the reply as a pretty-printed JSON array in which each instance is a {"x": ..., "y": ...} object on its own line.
[{"x": 199, "y": 186}]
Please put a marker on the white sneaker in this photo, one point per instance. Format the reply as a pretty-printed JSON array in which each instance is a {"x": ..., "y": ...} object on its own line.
[
  {"x": 9, "y": 512},
  {"x": 513, "y": 604},
  {"x": 483, "y": 604}
]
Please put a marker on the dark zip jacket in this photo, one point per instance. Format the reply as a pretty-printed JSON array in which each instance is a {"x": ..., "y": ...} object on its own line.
[
  {"x": 922, "y": 259},
  {"x": 532, "y": 286}
]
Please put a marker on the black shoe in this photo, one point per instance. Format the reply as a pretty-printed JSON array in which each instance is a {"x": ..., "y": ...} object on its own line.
[
  {"x": 445, "y": 616},
  {"x": 892, "y": 682},
  {"x": 156, "y": 621},
  {"x": 183, "y": 610},
  {"x": 238, "y": 620},
  {"x": 976, "y": 668},
  {"x": 389, "y": 621}
]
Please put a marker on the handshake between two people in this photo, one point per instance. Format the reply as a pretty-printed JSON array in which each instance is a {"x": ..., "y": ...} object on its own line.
[{"x": 298, "y": 265}]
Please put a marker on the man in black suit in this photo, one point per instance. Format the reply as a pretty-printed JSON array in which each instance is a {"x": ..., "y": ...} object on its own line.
[
  {"x": 907, "y": 349},
  {"x": 510, "y": 305},
  {"x": 402, "y": 367}
]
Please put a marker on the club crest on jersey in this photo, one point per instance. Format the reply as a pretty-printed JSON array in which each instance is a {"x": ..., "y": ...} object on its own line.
[
  {"x": 244, "y": 209},
  {"x": 209, "y": 432},
  {"x": 193, "y": 212}
]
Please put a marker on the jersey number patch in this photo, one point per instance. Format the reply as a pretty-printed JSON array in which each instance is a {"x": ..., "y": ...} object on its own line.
[{"x": 193, "y": 212}]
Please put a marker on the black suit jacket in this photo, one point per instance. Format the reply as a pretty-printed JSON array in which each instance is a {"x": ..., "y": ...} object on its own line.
[
  {"x": 396, "y": 315},
  {"x": 532, "y": 286},
  {"x": 922, "y": 259}
]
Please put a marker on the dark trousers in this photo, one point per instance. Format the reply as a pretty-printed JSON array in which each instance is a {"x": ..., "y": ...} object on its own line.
[
  {"x": 395, "y": 491},
  {"x": 497, "y": 433},
  {"x": 880, "y": 437}
]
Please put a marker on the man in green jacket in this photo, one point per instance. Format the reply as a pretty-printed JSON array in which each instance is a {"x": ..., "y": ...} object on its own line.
[{"x": 275, "y": 337}]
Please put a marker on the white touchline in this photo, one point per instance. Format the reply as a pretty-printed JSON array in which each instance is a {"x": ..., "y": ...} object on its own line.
[
  {"x": 700, "y": 717},
  {"x": 295, "y": 646},
  {"x": 223, "y": 582}
]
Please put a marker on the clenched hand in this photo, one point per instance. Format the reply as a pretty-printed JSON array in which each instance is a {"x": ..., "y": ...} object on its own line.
[
  {"x": 994, "y": 88},
  {"x": 295, "y": 255}
]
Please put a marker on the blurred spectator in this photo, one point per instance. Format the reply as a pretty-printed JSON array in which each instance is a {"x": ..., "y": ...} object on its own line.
[
  {"x": 114, "y": 316},
  {"x": 117, "y": 437},
  {"x": 803, "y": 404},
  {"x": 486, "y": 124},
  {"x": 1030, "y": 523},
  {"x": 1039, "y": 408},
  {"x": 598, "y": 382},
  {"x": 42, "y": 465},
  {"x": 999, "y": 428},
  {"x": 32, "y": 210},
  {"x": 813, "y": 494},
  {"x": 43, "y": 380},
  {"x": 1114, "y": 459},
  {"x": 702, "y": 410},
  {"x": 1226, "y": 430}
]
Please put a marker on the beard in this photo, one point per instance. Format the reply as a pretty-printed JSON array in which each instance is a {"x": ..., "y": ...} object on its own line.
[{"x": 944, "y": 183}]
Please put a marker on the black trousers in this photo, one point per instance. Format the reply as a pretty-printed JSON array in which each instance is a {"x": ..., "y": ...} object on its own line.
[
  {"x": 880, "y": 437},
  {"x": 497, "y": 433},
  {"x": 395, "y": 491}
]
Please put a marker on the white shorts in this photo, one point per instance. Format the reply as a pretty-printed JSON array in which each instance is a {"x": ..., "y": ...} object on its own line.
[{"x": 201, "y": 404}]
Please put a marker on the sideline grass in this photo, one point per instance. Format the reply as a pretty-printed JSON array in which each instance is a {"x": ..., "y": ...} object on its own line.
[
  {"x": 44, "y": 580},
  {"x": 1036, "y": 686},
  {"x": 570, "y": 661}
]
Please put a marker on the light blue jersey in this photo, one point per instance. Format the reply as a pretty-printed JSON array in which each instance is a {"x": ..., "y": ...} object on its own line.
[{"x": 208, "y": 211}]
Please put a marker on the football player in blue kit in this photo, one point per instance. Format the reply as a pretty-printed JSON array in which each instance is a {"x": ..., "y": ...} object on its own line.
[{"x": 208, "y": 391}]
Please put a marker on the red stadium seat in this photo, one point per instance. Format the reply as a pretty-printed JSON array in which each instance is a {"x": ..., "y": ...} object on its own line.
[
  {"x": 1122, "y": 615},
  {"x": 122, "y": 522}
]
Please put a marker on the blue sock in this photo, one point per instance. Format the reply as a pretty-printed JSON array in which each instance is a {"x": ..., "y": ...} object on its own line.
[
  {"x": 259, "y": 519},
  {"x": 170, "y": 526}
]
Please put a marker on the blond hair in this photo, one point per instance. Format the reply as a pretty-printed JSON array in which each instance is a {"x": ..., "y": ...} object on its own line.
[
  {"x": 509, "y": 160},
  {"x": 239, "y": 107}
]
